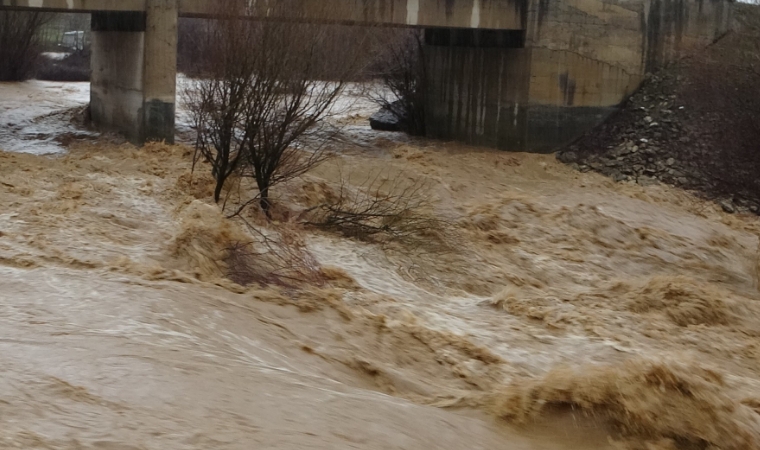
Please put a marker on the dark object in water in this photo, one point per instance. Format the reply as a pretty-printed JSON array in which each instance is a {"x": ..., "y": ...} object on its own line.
[{"x": 390, "y": 118}]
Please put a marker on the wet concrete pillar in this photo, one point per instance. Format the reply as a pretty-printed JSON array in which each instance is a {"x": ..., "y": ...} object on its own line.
[
  {"x": 477, "y": 88},
  {"x": 134, "y": 66},
  {"x": 116, "y": 82},
  {"x": 160, "y": 70}
]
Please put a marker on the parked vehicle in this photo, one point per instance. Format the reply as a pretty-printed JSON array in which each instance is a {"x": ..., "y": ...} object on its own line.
[{"x": 73, "y": 40}]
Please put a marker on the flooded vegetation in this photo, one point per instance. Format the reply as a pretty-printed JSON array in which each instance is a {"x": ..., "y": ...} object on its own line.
[{"x": 544, "y": 308}]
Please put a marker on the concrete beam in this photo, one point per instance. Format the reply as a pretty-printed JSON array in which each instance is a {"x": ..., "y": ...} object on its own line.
[
  {"x": 75, "y": 5},
  {"x": 489, "y": 14}
]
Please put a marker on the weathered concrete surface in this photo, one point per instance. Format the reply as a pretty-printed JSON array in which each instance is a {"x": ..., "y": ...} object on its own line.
[
  {"x": 511, "y": 74},
  {"x": 587, "y": 56},
  {"x": 134, "y": 68},
  {"x": 77, "y": 5},
  {"x": 478, "y": 95},
  {"x": 159, "y": 89},
  {"x": 580, "y": 59},
  {"x": 116, "y": 86},
  {"x": 569, "y": 94},
  {"x": 492, "y": 14}
]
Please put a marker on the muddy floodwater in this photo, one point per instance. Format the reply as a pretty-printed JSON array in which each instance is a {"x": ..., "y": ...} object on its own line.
[
  {"x": 553, "y": 310},
  {"x": 36, "y": 116}
]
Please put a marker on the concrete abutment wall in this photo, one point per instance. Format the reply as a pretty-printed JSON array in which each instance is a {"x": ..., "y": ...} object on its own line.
[
  {"x": 589, "y": 56},
  {"x": 577, "y": 62}
]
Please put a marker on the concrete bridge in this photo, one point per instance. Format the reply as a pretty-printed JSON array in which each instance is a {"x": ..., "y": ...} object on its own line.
[{"x": 509, "y": 74}]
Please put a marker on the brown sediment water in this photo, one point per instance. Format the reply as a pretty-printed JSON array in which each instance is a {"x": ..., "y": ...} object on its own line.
[
  {"x": 562, "y": 311},
  {"x": 36, "y": 116}
]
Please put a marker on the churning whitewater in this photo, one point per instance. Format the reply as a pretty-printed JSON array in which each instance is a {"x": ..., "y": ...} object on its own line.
[{"x": 552, "y": 310}]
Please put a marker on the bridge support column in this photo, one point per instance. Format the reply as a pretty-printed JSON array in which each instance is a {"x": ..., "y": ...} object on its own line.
[
  {"x": 485, "y": 89},
  {"x": 133, "y": 84},
  {"x": 478, "y": 83},
  {"x": 160, "y": 88}
]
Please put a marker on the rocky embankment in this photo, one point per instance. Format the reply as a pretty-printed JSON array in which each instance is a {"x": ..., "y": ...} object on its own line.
[
  {"x": 692, "y": 125},
  {"x": 640, "y": 155}
]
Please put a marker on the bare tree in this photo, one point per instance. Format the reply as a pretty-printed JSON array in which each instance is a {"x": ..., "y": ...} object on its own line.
[
  {"x": 402, "y": 73},
  {"x": 261, "y": 102},
  {"x": 19, "y": 43},
  {"x": 290, "y": 104},
  {"x": 218, "y": 102}
]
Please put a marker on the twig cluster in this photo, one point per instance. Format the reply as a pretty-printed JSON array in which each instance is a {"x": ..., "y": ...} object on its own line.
[
  {"x": 277, "y": 258},
  {"x": 381, "y": 209}
]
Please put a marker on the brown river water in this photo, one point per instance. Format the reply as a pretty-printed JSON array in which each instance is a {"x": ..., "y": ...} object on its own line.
[{"x": 561, "y": 311}]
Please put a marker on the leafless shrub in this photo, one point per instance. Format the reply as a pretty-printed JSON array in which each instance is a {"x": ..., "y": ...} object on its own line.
[
  {"x": 384, "y": 210},
  {"x": 19, "y": 43},
  {"x": 261, "y": 102},
  {"x": 275, "y": 257},
  {"x": 402, "y": 73},
  {"x": 193, "y": 55}
]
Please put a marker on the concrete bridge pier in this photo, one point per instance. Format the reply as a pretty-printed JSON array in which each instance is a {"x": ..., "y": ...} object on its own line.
[
  {"x": 134, "y": 66},
  {"x": 477, "y": 88},
  {"x": 566, "y": 67},
  {"x": 488, "y": 88}
]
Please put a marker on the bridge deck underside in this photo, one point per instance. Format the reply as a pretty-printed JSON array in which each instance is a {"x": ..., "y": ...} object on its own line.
[{"x": 494, "y": 14}]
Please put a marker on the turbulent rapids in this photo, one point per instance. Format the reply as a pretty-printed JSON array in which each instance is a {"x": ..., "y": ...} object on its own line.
[{"x": 556, "y": 310}]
